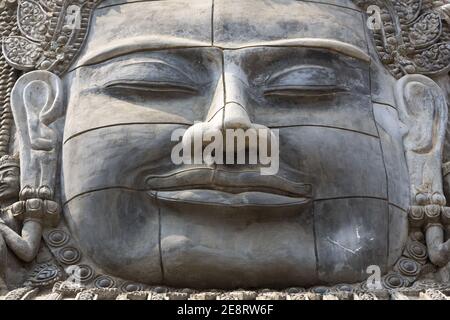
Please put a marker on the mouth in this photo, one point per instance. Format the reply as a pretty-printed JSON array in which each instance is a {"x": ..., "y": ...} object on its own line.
[{"x": 213, "y": 188}]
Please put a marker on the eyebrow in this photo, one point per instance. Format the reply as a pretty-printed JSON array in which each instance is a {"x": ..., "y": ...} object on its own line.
[{"x": 154, "y": 43}]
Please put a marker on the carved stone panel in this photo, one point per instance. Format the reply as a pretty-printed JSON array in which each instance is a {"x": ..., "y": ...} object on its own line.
[{"x": 207, "y": 149}]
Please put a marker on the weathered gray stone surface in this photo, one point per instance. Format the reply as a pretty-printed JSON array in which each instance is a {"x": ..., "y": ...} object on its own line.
[
  {"x": 356, "y": 122},
  {"x": 352, "y": 234}
]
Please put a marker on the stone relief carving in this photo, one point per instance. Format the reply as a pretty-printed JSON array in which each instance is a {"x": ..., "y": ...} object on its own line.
[
  {"x": 423, "y": 108},
  {"x": 97, "y": 103},
  {"x": 412, "y": 38},
  {"x": 44, "y": 41}
]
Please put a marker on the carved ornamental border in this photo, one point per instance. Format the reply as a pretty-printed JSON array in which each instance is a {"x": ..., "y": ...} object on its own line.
[
  {"x": 410, "y": 36},
  {"x": 50, "y": 34}
]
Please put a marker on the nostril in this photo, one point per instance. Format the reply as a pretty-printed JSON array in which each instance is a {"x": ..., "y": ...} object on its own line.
[{"x": 236, "y": 117}]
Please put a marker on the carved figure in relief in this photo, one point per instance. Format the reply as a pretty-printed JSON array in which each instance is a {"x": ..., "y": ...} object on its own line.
[{"x": 362, "y": 117}]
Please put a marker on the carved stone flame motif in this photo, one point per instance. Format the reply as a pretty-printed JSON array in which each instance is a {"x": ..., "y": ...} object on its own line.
[
  {"x": 32, "y": 20},
  {"x": 418, "y": 43},
  {"x": 51, "y": 33}
]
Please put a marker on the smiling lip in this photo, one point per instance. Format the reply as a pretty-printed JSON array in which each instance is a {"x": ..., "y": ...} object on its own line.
[{"x": 236, "y": 189}]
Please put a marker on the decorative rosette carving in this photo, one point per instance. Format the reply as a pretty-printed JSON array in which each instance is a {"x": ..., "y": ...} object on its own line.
[
  {"x": 426, "y": 30},
  {"x": 32, "y": 20},
  {"x": 408, "y": 10},
  {"x": 412, "y": 37},
  {"x": 433, "y": 59},
  {"x": 51, "y": 34},
  {"x": 21, "y": 53}
]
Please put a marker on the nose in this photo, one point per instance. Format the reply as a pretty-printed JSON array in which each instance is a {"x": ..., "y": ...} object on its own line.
[
  {"x": 228, "y": 114},
  {"x": 229, "y": 108},
  {"x": 236, "y": 117}
]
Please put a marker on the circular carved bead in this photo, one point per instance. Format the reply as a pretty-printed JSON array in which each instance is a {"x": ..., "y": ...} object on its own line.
[
  {"x": 131, "y": 287},
  {"x": 69, "y": 255},
  {"x": 104, "y": 282},
  {"x": 416, "y": 215},
  {"x": 393, "y": 281},
  {"x": 408, "y": 267},
  {"x": 85, "y": 273},
  {"x": 417, "y": 251},
  {"x": 57, "y": 238},
  {"x": 433, "y": 212}
]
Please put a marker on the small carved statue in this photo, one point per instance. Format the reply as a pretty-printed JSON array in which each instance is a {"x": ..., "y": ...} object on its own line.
[
  {"x": 9, "y": 194},
  {"x": 21, "y": 222}
]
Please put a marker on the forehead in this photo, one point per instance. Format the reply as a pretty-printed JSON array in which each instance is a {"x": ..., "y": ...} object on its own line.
[
  {"x": 222, "y": 23},
  {"x": 11, "y": 168}
]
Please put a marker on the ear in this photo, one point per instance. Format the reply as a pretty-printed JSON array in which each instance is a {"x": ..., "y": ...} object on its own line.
[
  {"x": 36, "y": 103},
  {"x": 423, "y": 109}
]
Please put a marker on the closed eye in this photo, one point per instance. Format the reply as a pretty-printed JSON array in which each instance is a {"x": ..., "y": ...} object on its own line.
[
  {"x": 152, "y": 86},
  {"x": 302, "y": 91},
  {"x": 300, "y": 81},
  {"x": 10, "y": 174},
  {"x": 152, "y": 76}
]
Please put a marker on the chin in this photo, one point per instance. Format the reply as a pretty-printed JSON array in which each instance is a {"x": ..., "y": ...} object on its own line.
[{"x": 172, "y": 238}]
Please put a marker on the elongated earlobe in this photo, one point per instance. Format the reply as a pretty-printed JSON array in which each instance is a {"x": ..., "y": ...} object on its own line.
[
  {"x": 37, "y": 102},
  {"x": 423, "y": 108}
]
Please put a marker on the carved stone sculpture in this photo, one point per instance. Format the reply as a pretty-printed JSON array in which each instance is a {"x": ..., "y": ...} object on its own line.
[{"x": 348, "y": 100}]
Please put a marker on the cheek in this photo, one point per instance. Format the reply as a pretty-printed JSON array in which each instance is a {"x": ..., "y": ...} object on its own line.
[
  {"x": 12, "y": 182},
  {"x": 338, "y": 163},
  {"x": 122, "y": 155}
]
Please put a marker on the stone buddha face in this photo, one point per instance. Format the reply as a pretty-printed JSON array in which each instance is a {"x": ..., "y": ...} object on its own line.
[{"x": 338, "y": 202}]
